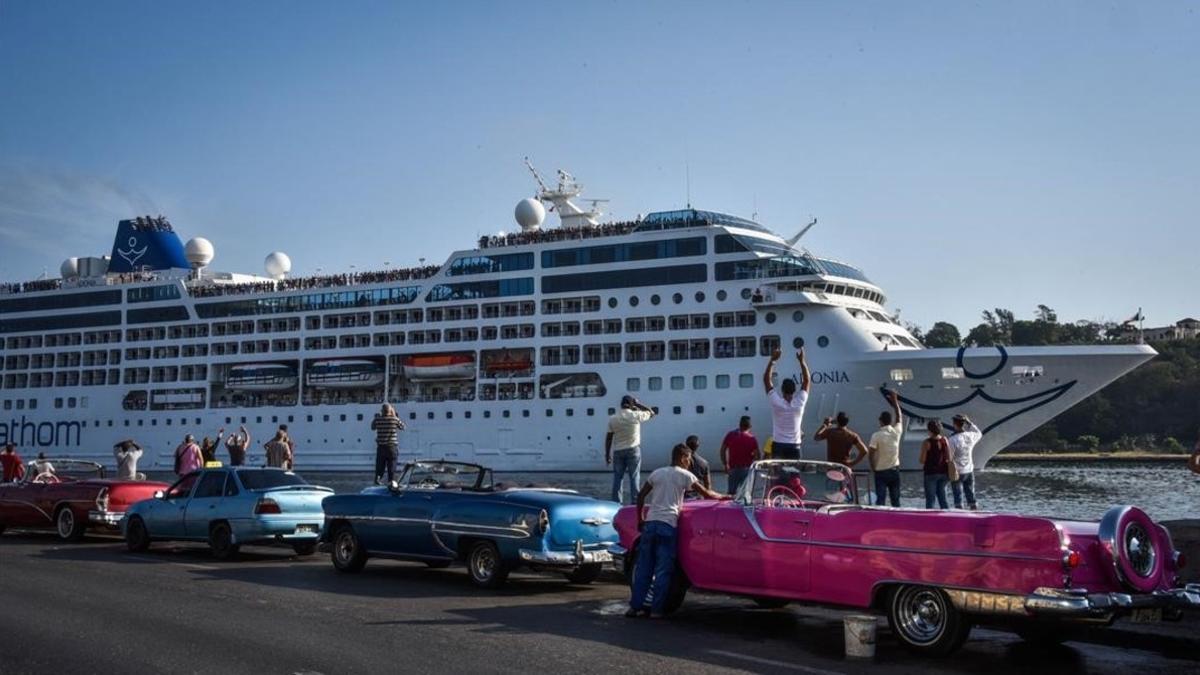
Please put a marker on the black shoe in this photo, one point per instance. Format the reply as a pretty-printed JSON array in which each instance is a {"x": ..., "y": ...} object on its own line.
[{"x": 632, "y": 613}]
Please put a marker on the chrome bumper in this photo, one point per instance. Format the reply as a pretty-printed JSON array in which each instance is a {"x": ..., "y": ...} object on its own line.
[
  {"x": 566, "y": 559},
  {"x": 1078, "y": 603},
  {"x": 106, "y": 518}
]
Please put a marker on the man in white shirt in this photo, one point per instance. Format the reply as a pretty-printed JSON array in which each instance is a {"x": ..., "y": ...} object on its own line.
[
  {"x": 622, "y": 445},
  {"x": 787, "y": 409},
  {"x": 656, "y": 547},
  {"x": 884, "y": 451},
  {"x": 962, "y": 447},
  {"x": 128, "y": 452}
]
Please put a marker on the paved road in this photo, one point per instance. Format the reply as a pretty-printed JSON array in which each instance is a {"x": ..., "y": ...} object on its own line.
[{"x": 94, "y": 608}]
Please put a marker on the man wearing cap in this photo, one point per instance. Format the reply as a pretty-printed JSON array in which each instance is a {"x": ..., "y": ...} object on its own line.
[
  {"x": 622, "y": 445},
  {"x": 787, "y": 409},
  {"x": 962, "y": 445}
]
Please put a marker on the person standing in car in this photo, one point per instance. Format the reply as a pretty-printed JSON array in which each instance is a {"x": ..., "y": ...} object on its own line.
[
  {"x": 387, "y": 426},
  {"x": 787, "y": 409}
]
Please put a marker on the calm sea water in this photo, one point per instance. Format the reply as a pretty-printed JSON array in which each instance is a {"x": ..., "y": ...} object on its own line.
[{"x": 1082, "y": 491}]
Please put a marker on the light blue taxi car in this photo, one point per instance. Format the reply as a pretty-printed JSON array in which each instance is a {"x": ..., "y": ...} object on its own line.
[{"x": 229, "y": 507}]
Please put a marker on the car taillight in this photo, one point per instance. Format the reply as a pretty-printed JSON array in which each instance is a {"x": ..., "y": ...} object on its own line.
[
  {"x": 102, "y": 500},
  {"x": 267, "y": 506},
  {"x": 1071, "y": 560}
]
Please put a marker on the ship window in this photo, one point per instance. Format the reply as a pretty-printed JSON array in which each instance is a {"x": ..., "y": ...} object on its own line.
[
  {"x": 633, "y": 301},
  {"x": 654, "y": 383},
  {"x": 721, "y": 295},
  {"x": 487, "y": 414},
  {"x": 746, "y": 292},
  {"x": 745, "y": 380},
  {"x": 722, "y": 382},
  {"x": 699, "y": 382},
  {"x": 768, "y": 344},
  {"x": 699, "y": 296},
  {"x": 699, "y": 410},
  {"x": 8, "y": 405},
  {"x": 524, "y": 413},
  {"x": 549, "y": 412},
  {"x": 676, "y": 410},
  {"x": 797, "y": 316},
  {"x": 677, "y": 382},
  {"x": 591, "y": 412},
  {"x": 952, "y": 373},
  {"x": 655, "y": 299},
  {"x": 58, "y": 402},
  {"x": 411, "y": 416},
  {"x": 110, "y": 423},
  {"x": 1028, "y": 371},
  {"x": 822, "y": 341},
  {"x": 429, "y": 415},
  {"x": 612, "y": 302},
  {"x": 677, "y": 298},
  {"x": 652, "y": 250},
  {"x": 506, "y": 414},
  {"x": 628, "y": 278},
  {"x": 770, "y": 317},
  {"x": 633, "y": 384},
  {"x": 71, "y": 402},
  {"x": 901, "y": 374},
  {"x": 449, "y": 415}
]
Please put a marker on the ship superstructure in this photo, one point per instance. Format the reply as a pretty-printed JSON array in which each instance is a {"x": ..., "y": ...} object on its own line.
[{"x": 512, "y": 353}]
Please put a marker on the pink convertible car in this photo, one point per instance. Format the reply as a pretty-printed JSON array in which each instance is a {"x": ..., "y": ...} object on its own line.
[{"x": 797, "y": 532}]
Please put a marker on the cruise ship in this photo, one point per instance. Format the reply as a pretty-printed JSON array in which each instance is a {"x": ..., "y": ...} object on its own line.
[{"x": 511, "y": 353}]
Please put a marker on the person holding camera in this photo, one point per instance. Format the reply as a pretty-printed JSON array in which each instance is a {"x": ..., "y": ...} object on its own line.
[
  {"x": 622, "y": 445},
  {"x": 962, "y": 446}
]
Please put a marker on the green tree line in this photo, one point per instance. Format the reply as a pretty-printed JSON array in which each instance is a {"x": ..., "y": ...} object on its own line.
[{"x": 1155, "y": 407}]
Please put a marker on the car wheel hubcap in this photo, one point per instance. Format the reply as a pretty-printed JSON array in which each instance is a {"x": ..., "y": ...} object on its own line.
[
  {"x": 345, "y": 547},
  {"x": 66, "y": 522},
  {"x": 1140, "y": 550},
  {"x": 922, "y": 615},
  {"x": 485, "y": 564}
]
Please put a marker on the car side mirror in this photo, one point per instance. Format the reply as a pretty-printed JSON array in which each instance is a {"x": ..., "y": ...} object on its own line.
[{"x": 159, "y": 494}]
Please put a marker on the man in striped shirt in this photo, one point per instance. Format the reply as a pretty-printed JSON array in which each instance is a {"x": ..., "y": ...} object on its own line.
[{"x": 387, "y": 427}]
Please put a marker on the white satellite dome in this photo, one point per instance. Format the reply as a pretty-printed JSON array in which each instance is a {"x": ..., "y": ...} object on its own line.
[
  {"x": 278, "y": 265},
  {"x": 69, "y": 268},
  {"x": 529, "y": 213},
  {"x": 199, "y": 252}
]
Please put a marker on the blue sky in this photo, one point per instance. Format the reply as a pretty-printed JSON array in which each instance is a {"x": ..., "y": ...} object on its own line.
[{"x": 965, "y": 155}]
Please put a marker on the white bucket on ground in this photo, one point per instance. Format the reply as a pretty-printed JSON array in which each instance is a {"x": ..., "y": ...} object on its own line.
[{"x": 859, "y": 632}]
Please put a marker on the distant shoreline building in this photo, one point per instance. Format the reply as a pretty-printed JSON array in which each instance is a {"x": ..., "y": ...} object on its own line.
[{"x": 1184, "y": 329}]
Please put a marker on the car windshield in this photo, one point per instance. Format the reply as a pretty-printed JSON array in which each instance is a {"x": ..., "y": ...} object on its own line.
[
  {"x": 61, "y": 470},
  {"x": 262, "y": 479},
  {"x": 445, "y": 476},
  {"x": 798, "y": 483}
]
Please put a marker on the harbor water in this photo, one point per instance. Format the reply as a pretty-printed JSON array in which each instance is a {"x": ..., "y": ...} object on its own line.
[{"x": 1075, "y": 490}]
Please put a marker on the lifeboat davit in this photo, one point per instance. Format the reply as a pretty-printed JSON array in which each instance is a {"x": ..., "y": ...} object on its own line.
[
  {"x": 439, "y": 367},
  {"x": 261, "y": 377}
]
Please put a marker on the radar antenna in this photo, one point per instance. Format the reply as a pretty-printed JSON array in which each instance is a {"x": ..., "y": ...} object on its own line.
[{"x": 559, "y": 198}]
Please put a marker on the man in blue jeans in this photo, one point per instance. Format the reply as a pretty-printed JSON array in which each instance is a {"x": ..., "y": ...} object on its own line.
[
  {"x": 656, "y": 546},
  {"x": 884, "y": 452},
  {"x": 622, "y": 445}
]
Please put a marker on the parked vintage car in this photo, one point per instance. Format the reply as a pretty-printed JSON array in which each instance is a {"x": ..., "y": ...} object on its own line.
[
  {"x": 229, "y": 507},
  {"x": 70, "y": 499},
  {"x": 796, "y": 532},
  {"x": 441, "y": 512}
]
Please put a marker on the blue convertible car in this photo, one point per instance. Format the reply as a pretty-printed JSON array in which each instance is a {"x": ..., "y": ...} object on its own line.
[
  {"x": 228, "y": 507},
  {"x": 442, "y": 512}
]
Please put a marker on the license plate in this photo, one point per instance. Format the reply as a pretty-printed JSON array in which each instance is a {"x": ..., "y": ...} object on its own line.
[
  {"x": 307, "y": 529},
  {"x": 602, "y": 556},
  {"x": 1146, "y": 616}
]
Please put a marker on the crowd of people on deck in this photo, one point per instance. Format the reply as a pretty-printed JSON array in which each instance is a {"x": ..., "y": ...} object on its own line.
[
  {"x": 321, "y": 281},
  {"x": 31, "y": 286},
  {"x": 559, "y": 234}
]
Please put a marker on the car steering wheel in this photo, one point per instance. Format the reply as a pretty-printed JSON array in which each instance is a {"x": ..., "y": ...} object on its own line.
[
  {"x": 47, "y": 478},
  {"x": 782, "y": 496}
]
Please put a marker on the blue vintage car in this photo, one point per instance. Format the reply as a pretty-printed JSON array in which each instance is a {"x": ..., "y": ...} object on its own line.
[
  {"x": 228, "y": 507},
  {"x": 442, "y": 512}
]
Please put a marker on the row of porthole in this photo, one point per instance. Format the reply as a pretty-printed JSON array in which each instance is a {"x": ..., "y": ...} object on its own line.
[{"x": 656, "y": 299}]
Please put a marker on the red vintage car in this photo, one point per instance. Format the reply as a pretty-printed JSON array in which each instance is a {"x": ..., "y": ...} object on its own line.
[
  {"x": 69, "y": 496},
  {"x": 796, "y": 532}
]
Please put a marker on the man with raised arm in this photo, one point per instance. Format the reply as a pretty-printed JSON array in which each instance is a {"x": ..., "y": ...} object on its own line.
[
  {"x": 787, "y": 409},
  {"x": 962, "y": 449},
  {"x": 884, "y": 451}
]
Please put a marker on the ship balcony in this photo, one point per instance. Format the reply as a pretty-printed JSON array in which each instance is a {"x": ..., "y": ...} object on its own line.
[{"x": 787, "y": 294}]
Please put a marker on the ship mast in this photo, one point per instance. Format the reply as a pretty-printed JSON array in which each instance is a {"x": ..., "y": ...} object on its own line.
[{"x": 559, "y": 199}]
